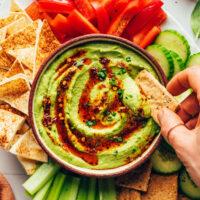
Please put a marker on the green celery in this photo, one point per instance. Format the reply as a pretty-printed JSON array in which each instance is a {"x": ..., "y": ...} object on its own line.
[
  {"x": 42, "y": 194},
  {"x": 107, "y": 189},
  {"x": 70, "y": 188},
  {"x": 56, "y": 187},
  {"x": 83, "y": 189},
  {"x": 92, "y": 189},
  {"x": 42, "y": 175}
]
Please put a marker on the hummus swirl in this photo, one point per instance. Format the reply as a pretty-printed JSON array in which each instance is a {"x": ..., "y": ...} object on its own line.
[{"x": 89, "y": 110}]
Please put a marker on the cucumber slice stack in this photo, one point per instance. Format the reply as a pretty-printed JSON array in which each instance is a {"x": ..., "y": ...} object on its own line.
[
  {"x": 174, "y": 41},
  {"x": 187, "y": 186},
  {"x": 164, "y": 59},
  {"x": 171, "y": 50},
  {"x": 178, "y": 63}
]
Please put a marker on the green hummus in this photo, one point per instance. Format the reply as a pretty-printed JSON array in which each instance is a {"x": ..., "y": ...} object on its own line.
[{"x": 89, "y": 110}]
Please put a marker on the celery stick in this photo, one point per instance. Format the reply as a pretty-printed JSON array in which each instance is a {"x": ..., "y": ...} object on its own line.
[
  {"x": 42, "y": 175},
  {"x": 92, "y": 189},
  {"x": 56, "y": 187},
  {"x": 83, "y": 189},
  {"x": 70, "y": 188},
  {"x": 42, "y": 194},
  {"x": 107, "y": 189}
]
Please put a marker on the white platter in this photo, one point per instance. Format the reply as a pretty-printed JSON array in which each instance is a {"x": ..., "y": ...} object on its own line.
[{"x": 176, "y": 9}]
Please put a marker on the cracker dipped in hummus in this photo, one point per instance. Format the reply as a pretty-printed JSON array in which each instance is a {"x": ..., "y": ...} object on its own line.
[{"x": 90, "y": 111}]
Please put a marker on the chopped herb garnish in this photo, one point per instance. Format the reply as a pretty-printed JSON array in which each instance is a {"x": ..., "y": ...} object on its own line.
[
  {"x": 117, "y": 139},
  {"x": 115, "y": 153},
  {"x": 128, "y": 59},
  {"x": 122, "y": 70},
  {"x": 113, "y": 82},
  {"x": 113, "y": 114},
  {"x": 144, "y": 124},
  {"x": 120, "y": 93},
  {"x": 109, "y": 118},
  {"x": 106, "y": 112},
  {"x": 78, "y": 63},
  {"x": 87, "y": 104},
  {"x": 134, "y": 150},
  {"x": 102, "y": 74},
  {"x": 91, "y": 123},
  {"x": 72, "y": 127}
]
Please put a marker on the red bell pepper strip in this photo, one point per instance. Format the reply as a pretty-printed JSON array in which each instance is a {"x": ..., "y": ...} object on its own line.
[
  {"x": 120, "y": 23},
  {"x": 61, "y": 27},
  {"x": 150, "y": 37},
  {"x": 33, "y": 10},
  {"x": 158, "y": 19},
  {"x": 143, "y": 18},
  {"x": 103, "y": 20},
  {"x": 49, "y": 6},
  {"x": 115, "y": 7},
  {"x": 85, "y": 8},
  {"x": 80, "y": 24}
]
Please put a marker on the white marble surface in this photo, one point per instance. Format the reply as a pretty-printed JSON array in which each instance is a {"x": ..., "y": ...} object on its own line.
[{"x": 9, "y": 166}]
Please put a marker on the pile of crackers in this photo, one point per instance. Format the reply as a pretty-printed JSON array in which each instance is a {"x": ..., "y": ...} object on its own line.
[
  {"x": 24, "y": 45},
  {"x": 143, "y": 184}
]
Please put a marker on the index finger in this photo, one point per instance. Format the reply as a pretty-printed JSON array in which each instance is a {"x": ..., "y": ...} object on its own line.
[{"x": 189, "y": 78}]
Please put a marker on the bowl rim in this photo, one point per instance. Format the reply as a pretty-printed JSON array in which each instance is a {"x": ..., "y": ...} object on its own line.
[{"x": 105, "y": 173}]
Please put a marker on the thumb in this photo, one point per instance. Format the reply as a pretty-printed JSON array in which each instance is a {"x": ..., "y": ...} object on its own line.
[{"x": 172, "y": 127}]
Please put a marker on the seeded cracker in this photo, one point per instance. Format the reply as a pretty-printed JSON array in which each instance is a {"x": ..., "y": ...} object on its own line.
[
  {"x": 162, "y": 188},
  {"x": 138, "y": 179},
  {"x": 126, "y": 194}
]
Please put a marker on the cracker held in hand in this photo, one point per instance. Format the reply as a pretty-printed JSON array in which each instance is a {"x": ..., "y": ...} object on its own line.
[
  {"x": 126, "y": 194},
  {"x": 27, "y": 147},
  {"x": 46, "y": 44},
  {"x": 10, "y": 123},
  {"x": 157, "y": 95},
  {"x": 138, "y": 179},
  {"x": 162, "y": 188}
]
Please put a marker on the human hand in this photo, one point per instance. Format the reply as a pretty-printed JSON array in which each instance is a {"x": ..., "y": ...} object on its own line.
[{"x": 182, "y": 129}]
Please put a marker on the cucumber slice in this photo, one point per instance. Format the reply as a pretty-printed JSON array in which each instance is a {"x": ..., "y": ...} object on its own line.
[
  {"x": 163, "y": 57},
  {"x": 194, "y": 60},
  {"x": 187, "y": 186},
  {"x": 178, "y": 63},
  {"x": 165, "y": 161},
  {"x": 174, "y": 41}
]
